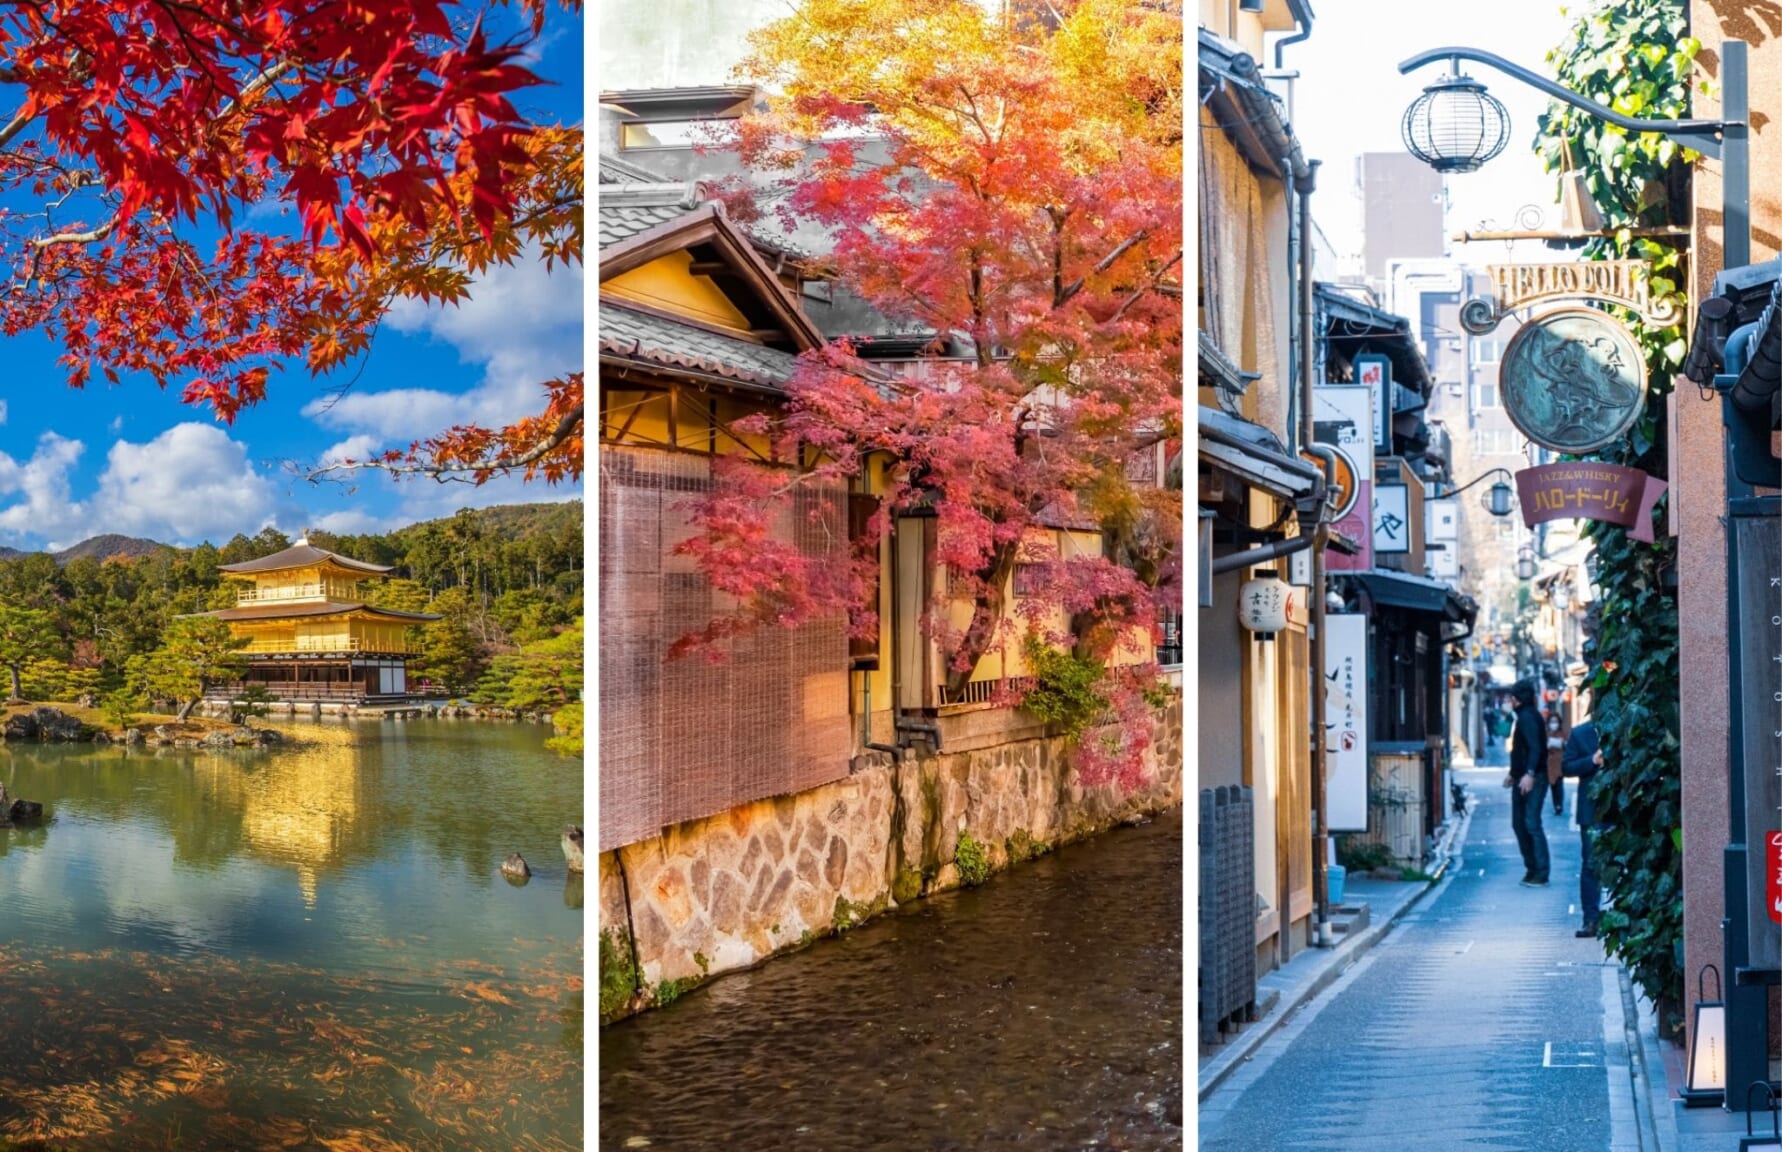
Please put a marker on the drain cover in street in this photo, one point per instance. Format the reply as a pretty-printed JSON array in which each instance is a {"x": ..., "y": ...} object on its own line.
[{"x": 1572, "y": 1054}]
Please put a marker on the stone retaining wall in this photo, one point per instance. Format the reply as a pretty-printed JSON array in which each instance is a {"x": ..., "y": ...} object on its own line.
[{"x": 723, "y": 893}]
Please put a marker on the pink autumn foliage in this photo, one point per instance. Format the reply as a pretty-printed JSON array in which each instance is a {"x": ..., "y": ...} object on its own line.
[{"x": 1049, "y": 270}]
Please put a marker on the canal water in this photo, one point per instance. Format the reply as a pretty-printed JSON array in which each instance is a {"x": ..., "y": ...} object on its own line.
[
  {"x": 1041, "y": 1011},
  {"x": 308, "y": 948}
]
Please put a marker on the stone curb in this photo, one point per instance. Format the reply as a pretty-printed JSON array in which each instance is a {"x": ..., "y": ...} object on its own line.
[
  {"x": 1664, "y": 1134},
  {"x": 1222, "y": 1066}
]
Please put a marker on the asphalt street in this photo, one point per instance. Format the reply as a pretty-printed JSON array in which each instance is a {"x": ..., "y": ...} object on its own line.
[{"x": 1479, "y": 1022}]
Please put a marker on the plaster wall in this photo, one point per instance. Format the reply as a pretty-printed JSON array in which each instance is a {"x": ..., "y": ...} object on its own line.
[{"x": 1698, "y": 491}]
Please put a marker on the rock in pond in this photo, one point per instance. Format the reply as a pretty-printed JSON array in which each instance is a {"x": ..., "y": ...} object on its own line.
[
  {"x": 572, "y": 847},
  {"x": 514, "y": 868},
  {"x": 25, "y": 812}
]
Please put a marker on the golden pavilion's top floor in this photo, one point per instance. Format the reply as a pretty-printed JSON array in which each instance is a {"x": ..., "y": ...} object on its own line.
[
  {"x": 309, "y": 600},
  {"x": 302, "y": 574}
]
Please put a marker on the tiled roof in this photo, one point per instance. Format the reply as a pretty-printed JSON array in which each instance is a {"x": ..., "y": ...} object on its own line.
[
  {"x": 324, "y": 608},
  {"x": 302, "y": 555},
  {"x": 618, "y": 224},
  {"x": 659, "y": 340},
  {"x": 616, "y": 171}
]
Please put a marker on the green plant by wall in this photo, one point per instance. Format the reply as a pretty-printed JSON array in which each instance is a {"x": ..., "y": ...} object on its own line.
[
  {"x": 618, "y": 975},
  {"x": 1636, "y": 56},
  {"x": 971, "y": 860},
  {"x": 669, "y": 991},
  {"x": 1065, "y": 688},
  {"x": 1358, "y": 855}
]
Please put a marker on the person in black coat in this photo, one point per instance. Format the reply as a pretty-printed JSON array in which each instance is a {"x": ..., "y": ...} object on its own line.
[
  {"x": 1527, "y": 782},
  {"x": 1583, "y": 759}
]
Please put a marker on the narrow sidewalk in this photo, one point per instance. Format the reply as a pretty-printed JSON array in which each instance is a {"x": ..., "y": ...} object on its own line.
[{"x": 1281, "y": 993}]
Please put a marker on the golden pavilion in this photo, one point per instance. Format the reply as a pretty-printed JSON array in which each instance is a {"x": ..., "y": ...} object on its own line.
[{"x": 312, "y": 636}]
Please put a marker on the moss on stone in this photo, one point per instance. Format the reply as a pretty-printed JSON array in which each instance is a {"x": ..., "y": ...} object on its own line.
[
  {"x": 618, "y": 975},
  {"x": 1022, "y": 846},
  {"x": 669, "y": 991},
  {"x": 972, "y": 861},
  {"x": 907, "y": 886},
  {"x": 849, "y": 913},
  {"x": 704, "y": 962}
]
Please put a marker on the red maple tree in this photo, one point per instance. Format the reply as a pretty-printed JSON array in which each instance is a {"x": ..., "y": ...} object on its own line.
[
  {"x": 1023, "y": 205},
  {"x": 141, "y": 134}
]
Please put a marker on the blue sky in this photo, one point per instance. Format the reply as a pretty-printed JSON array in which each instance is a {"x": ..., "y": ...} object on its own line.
[{"x": 134, "y": 460}]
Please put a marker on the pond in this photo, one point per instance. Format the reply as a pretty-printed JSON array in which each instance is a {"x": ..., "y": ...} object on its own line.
[
  {"x": 1042, "y": 1011},
  {"x": 310, "y": 948}
]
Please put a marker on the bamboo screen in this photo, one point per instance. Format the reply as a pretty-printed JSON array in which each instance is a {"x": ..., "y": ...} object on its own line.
[{"x": 690, "y": 737}]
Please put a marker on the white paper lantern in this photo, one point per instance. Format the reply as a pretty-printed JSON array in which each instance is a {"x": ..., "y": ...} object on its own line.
[{"x": 1265, "y": 604}]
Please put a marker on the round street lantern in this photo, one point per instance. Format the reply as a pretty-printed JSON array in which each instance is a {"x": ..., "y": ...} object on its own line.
[
  {"x": 1525, "y": 563},
  {"x": 1499, "y": 499},
  {"x": 1456, "y": 126}
]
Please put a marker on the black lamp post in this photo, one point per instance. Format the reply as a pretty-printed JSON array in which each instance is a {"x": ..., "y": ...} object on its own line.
[{"x": 1450, "y": 127}]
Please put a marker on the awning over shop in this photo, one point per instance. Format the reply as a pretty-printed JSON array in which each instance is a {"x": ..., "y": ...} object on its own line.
[
  {"x": 1421, "y": 595},
  {"x": 1251, "y": 452}
]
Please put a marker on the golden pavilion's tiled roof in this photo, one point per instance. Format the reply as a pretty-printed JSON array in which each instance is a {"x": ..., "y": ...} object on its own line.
[
  {"x": 321, "y": 608},
  {"x": 303, "y": 554}
]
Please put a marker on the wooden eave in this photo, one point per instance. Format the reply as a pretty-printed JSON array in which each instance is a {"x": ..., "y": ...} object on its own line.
[{"x": 709, "y": 226}]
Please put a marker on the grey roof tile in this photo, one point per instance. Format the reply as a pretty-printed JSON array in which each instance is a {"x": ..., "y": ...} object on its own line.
[{"x": 644, "y": 336}]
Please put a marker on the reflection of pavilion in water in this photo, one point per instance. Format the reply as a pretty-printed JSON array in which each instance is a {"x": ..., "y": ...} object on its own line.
[{"x": 303, "y": 809}]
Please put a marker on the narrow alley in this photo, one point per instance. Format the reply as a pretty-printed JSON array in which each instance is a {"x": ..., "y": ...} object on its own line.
[{"x": 1479, "y": 1021}]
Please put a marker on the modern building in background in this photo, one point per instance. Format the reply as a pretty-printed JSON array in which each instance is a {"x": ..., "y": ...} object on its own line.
[{"x": 1403, "y": 209}]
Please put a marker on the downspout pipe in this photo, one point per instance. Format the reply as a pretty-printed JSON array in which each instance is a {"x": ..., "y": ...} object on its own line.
[
  {"x": 1261, "y": 555},
  {"x": 1302, "y": 12},
  {"x": 1308, "y": 380}
]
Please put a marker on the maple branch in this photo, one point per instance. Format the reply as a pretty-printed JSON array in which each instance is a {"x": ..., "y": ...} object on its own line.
[
  {"x": 1105, "y": 263},
  {"x": 256, "y": 86},
  {"x": 90, "y": 236},
  {"x": 444, "y": 473},
  {"x": 1155, "y": 279}
]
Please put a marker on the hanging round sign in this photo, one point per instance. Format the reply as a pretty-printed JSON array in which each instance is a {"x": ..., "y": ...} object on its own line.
[
  {"x": 1345, "y": 480},
  {"x": 1573, "y": 379}
]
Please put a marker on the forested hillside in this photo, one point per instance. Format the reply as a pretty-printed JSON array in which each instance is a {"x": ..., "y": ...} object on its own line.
[{"x": 501, "y": 577}]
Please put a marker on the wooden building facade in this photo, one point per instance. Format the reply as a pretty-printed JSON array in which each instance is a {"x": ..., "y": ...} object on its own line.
[{"x": 311, "y": 635}]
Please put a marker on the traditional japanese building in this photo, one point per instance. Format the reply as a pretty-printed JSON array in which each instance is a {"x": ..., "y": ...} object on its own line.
[{"x": 311, "y": 634}]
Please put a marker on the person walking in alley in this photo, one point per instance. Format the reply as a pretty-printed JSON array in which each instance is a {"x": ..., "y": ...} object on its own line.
[
  {"x": 1583, "y": 758},
  {"x": 1558, "y": 730},
  {"x": 1527, "y": 782}
]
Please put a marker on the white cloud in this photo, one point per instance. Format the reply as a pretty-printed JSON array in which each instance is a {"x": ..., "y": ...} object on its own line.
[
  {"x": 350, "y": 522},
  {"x": 522, "y": 323},
  {"x": 190, "y": 482},
  {"x": 47, "y": 507},
  {"x": 2, "y": 411},
  {"x": 117, "y": 424},
  {"x": 359, "y": 447}
]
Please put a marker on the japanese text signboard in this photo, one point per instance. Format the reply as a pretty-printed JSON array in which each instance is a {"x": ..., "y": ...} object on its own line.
[
  {"x": 1342, "y": 416},
  {"x": 1609, "y": 492},
  {"x": 1345, "y": 721},
  {"x": 1759, "y": 684},
  {"x": 1392, "y": 518}
]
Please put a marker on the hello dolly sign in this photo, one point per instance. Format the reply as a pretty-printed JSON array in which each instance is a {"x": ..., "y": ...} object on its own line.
[{"x": 1608, "y": 492}]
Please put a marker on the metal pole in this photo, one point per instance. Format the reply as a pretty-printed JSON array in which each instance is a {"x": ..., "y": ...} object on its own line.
[
  {"x": 1747, "y": 1003},
  {"x": 1308, "y": 378}
]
